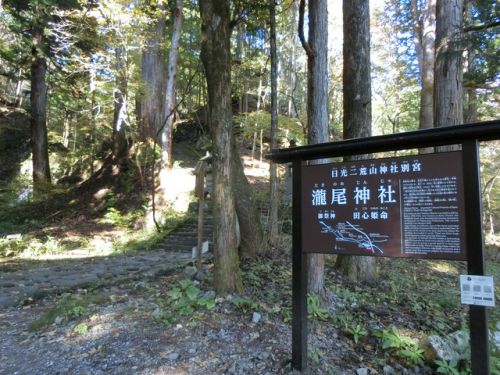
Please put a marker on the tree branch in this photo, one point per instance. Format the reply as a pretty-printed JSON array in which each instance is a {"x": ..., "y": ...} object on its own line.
[
  {"x": 482, "y": 27},
  {"x": 305, "y": 45}
]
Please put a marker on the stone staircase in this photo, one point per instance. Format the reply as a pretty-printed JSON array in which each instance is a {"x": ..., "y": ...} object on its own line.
[{"x": 184, "y": 238}]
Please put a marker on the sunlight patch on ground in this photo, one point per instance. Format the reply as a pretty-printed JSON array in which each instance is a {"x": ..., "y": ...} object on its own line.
[
  {"x": 178, "y": 183},
  {"x": 255, "y": 168},
  {"x": 101, "y": 245},
  {"x": 443, "y": 267}
]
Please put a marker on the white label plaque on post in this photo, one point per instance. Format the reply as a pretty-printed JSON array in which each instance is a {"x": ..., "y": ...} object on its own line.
[{"x": 477, "y": 290}]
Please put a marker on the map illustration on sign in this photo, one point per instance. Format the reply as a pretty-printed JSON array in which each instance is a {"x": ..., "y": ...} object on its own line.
[
  {"x": 349, "y": 233},
  {"x": 408, "y": 206}
]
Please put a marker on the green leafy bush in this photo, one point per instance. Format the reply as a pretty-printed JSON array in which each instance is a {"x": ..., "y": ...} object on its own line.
[
  {"x": 81, "y": 329},
  {"x": 9, "y": 248},
  {"x": 314, "y": 308},
  {"x": 29, "y": 247},
  {"x": 356, "y": 331},
  {"x": 403, "y": 346},
  {"x": 182, "y": 300},
  {"x": 245, "y": 303}
]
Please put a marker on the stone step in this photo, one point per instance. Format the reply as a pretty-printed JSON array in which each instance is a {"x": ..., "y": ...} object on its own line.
[
  {"x": 193, "y": 234},
  {"x": 183, "y": 248}
]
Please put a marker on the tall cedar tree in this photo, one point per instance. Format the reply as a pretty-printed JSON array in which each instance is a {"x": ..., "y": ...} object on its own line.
[
  {"x": 317, "y": 102},
  {"x": 38, "y": 101},
  {"x": 357, "y": 104},
  {"x": 448, "y": 76},
  {"x": 216, "y": 58},
  {"x": 173, "y": 58},
  {"x": 273, "y": 175},
  {"x": 153, "y": 73},
  {"x": 424, "y": 29}
]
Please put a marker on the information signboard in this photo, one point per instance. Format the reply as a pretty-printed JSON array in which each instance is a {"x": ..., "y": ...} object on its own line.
[{"x": 410, "y": 206}]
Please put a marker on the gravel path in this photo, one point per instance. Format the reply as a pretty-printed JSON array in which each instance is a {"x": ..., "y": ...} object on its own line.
[
  {"x": 124, "y": 338},
  {"x": 33, "y": 281}
]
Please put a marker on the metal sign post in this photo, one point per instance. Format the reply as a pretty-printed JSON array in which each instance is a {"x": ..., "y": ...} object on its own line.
[
  {"x": 299, "y": 277},
  {"x": 478, "y": 318}
]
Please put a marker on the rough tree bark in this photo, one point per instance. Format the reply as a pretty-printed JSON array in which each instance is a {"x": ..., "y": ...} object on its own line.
[
  {"x": 317, "y": 103},
  {"x": 470, "y": 94},
  {"x": 39, "y": 142},
  {"x": 216, "y": 58},
  {"x": 251, "y": 236},
  {"x": 424, "y": 28},
  {"x": 357, "y": 104},
  {"x": 153, "y": 73},
  {"x": 293, "y": 66},
  {"x": 448, "y": 75},
  {"x": 168, "y": 117},
  {"x": 273, "y": 172}
]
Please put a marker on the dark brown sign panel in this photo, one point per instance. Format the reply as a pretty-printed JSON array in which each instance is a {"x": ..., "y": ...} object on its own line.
[{"x": 409, "y": 206}]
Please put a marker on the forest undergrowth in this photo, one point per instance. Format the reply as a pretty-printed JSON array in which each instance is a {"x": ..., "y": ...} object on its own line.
[{"x": 353, "y": 326}]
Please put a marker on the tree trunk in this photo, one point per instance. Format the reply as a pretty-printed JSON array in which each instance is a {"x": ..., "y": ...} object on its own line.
[
  {"x": 448, "y": 76},
  {"x": 216, "y": 58},
  {"x": 173, "y": 58},
  {"x": 19, "y": 89},
  {"x": 470, "y": 99},
  {"x": 488, "y": 221},
  {"x": 357, "y": 105},
  {"x": 153, "y": 73},
  {"x": 93, "y": 113},
  {"x": 293, "y": 67},
  {"x": 272, "y": 236},
  {"x": 427, "y": 37},
  {"x": 240, "y": 43},
  {"x": 261, "y": 148},
  {"x": 317, "y": 104},
  {"x": 246, "y": 209},
  {"x": 39, "y": 140},
  {"x": 259, "y": 92},
  {"x": 120, "y": 143},
  {"x": 66, "y": 129}
]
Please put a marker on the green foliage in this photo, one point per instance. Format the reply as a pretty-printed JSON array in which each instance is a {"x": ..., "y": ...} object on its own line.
[
  {"x": 30, "y": 247},
  {"x": 81, "y": 329},
  {"x": 314, "y": 308},
  {"x": 288, "y": 128},
  {"x": 182, "y": 300},
  {"x": 245, "y": 303},
  {"x": 9, "y": 248},
  {"x": 448, "y": 367},
  {"x": 403, "y": 346},
  {"x": 36, "y": 247},
  {"x": 356, "y": 331},
  {"x": 446, "y": 302},
  {"x": 495, "y": 364},
  {"x": 348, "y": 297},
  {"x": 113, "y": 216},
  {"x": 315, "y": 355},
  {"x": 286, "y": 315}
]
